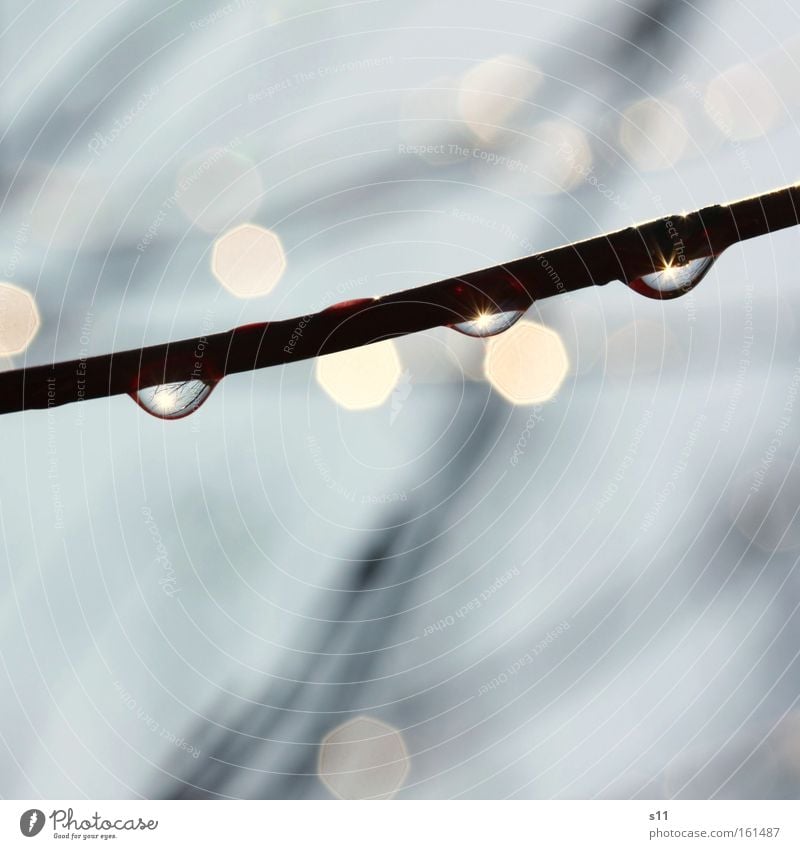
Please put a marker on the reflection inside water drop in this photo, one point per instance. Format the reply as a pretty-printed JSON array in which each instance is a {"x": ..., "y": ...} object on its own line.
[
  {"x": 673, "y": 279},
  {"x": 488, "y": 323},
  {"x": 173, "y": 400}
]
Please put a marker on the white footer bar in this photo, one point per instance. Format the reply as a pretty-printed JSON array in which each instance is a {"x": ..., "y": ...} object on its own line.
[{"x": 402, "y": 824}]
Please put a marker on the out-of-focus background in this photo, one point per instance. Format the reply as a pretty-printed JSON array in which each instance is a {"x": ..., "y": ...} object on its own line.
[{"x": 562, "y": 563}]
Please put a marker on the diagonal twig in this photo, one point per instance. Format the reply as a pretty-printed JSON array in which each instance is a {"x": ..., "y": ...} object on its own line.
[{"x": 629, "y": 255}]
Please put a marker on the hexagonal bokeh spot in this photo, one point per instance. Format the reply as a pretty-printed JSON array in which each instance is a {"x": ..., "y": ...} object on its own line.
[
  {"x": 527, "y": 364},
  {"x": 363, "y": 759},
  {"x": 653, "y": 134},
  {"x": 19, "y": 319},
  {"x": 248, "y": 261},
  {"x": 493, "y": 91},
  {"x": 360, "y": 378}
]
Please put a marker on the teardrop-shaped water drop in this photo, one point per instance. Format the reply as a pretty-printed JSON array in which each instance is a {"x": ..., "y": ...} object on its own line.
[
  {"x": 173, "y": 400},
  {"x": 673, "y": 279},
  {"x": 488, "y": 323}
]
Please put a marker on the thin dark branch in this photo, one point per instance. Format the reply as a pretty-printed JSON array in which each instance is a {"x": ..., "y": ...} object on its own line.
[{"x": 626, "y": 255}]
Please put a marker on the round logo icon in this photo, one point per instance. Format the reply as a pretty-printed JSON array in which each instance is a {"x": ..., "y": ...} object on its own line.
[{"x": 31, "y": 822}]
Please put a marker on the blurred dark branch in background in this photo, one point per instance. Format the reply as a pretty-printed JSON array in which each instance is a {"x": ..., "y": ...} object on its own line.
[{"x": 348, "y": 638}]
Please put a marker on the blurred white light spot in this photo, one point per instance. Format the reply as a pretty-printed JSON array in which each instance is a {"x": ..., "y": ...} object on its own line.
[
  {"x": 363, "y": 759},
  {"x": 564, "y": 158},
  {"x": 360, "y": 378},
  {"x": 742, "y": 103},
  {"x": 493, "y": 91},
  {"x": 653, "y": 134},
  {"x": 217, "y": 189},
  {"x": 19, "y": 319},
  {"x": 248, "y": 261},
  {"x": 527, "y": 364},
  {"x": 765, "y": 505}
]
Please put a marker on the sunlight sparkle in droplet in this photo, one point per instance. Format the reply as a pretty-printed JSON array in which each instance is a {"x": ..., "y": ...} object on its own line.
[
  {"x": 173, "y": 400},
  {"x": 673, "y": 279},
  {"x": 483, "y": 321},
  {"x": 487, "y": 323}
]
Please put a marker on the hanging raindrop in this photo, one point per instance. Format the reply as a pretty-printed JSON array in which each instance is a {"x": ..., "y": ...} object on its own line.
[
  {"x": 673, "y": 280},
  {"x": 173, "y": 400},
  {"x": 488, "y": 323},
  {"x": 488, "y": 317}
]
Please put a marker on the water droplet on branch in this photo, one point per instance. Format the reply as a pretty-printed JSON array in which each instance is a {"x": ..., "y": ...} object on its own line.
[
  {"x": 490, "y": 315},
  {"x": 673, "y": 279},
  {"x": 173, "y": 400},
  {"x": 488, "y": 322}
]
